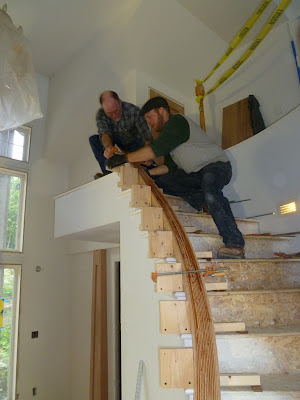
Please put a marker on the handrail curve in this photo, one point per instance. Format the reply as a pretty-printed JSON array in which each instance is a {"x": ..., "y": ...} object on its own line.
[{"x": 206, "y": 366}]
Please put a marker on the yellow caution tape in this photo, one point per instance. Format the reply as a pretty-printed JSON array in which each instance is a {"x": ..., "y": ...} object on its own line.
[
  {"x": 240, "y": 36},
  {"x": 263, "y": 33}
]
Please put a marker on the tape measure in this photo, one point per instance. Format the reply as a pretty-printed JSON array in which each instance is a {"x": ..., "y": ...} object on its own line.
[{"x": 139, "y": 381}]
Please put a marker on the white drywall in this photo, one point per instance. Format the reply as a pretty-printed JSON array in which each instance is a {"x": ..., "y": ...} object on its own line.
[
  {"x": 45, "y": 296},
  {"x": 140, "y": 335},
  {"x": 270, "y": 74},
  {"x": 266, "y": 170}
]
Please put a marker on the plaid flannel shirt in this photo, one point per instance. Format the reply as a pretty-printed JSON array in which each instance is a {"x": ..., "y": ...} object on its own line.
[{"x": 130, "y": 133}]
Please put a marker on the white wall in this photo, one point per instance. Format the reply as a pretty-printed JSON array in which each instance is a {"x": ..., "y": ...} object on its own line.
[
  {"x": 45, "y": 295},
  {"x": 270, "y": 74},
  {"x": 266, "y": 170}
]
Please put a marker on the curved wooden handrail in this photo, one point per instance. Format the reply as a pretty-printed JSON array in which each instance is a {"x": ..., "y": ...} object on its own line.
[{"x": 206, "y": 366}]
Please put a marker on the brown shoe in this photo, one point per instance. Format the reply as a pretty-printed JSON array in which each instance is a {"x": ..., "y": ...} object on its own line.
[
  {"x": 98, "y": 175},
  {"x": 231, "y": 252}
]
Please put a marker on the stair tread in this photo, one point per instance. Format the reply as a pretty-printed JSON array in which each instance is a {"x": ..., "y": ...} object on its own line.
[
  {"x": 214, "y": 235},
  {"x": 257, "y": 332},
  {"x": 254, "y": 260},
  {"x": 249, "y": 292},
  {"x": 206, "y": 215}
]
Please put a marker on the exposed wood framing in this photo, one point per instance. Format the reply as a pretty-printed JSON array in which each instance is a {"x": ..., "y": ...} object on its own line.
[{"x": 99, "y": 356}]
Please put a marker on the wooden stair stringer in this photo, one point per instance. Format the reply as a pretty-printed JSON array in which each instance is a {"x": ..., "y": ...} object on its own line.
[{"x": 206, "y": 368}]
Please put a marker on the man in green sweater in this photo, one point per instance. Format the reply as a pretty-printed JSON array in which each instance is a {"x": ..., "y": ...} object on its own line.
[{"x": 191, "y": 166}]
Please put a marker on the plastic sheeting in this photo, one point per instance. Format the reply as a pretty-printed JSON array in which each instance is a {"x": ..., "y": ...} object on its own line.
[{"x": 19, "y": 100}]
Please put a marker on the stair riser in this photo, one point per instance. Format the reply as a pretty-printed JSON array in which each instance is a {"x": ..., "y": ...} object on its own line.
[
  {"x": 254, "y": 247},
  {"x": 259, "y": 275},
  {"x": 269, "y": 355},
  {"x": 257, "y": 309},
  {"x": 207, "y": 225}
]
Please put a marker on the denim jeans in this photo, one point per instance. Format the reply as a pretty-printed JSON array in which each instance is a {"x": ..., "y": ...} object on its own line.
[{"x": 205, "y": 186}]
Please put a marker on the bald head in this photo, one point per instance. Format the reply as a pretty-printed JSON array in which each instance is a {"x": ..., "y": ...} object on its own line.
[{"x": 111, "y": 104}]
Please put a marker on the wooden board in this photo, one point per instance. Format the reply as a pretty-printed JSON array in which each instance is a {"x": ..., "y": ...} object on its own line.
[
  {"x": 174, "y": 317},
  {"x": 175, "y": 108},
  {"x": 151, "y": 219},
  {"x": 230, "y": 327},
  {"x": 239, "y": 380},
  {"x": 236, "y": 124},
  {"x": 176, "y": 368},
  {"x": 128, "y": 177},
  {"x": 140, "y": 196},
  {"x": 169, "y": 283},
  {"x": 213, "y": 286},
  {"x": 99, "y": 354},
  {"x": 161, "y": 244},
  {"x": 203, "y": 254}
]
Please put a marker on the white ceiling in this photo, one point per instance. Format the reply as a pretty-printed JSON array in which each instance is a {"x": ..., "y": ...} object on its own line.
[{"x": 59, "y": 28}]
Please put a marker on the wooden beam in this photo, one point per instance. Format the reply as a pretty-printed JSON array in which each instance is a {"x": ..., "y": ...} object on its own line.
[
  {"x": 200, "y": 91},
  {"x": 99, "y": 356},
  {"x": 140, "y": 196}
]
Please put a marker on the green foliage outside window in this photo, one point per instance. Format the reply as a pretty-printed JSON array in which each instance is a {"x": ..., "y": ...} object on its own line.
[
  {"x": 5, "y": 335},
  {"x": 13, "y": 212}
]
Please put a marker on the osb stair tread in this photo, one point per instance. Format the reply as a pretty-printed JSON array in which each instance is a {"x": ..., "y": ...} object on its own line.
[
  {"x": 252, "y": 260},
  {"x": 206, "y": 215},
  {"x": 253, "y": 237},
  {"x": 254, "y": 292}
]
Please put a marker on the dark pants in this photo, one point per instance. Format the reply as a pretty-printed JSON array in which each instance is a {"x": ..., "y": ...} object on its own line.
[
  {"x": 205, "y": 186},
  {"x": 98, "y": 151}
]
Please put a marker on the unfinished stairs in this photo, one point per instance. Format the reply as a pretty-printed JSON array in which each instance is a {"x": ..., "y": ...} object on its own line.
[
  {"x": 255, "y": 309},
  {"x": 264, "y": 294},
  {"x": 253, "y": 305}
]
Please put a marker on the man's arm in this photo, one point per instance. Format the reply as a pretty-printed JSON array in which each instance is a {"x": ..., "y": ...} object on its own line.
[
  {"x": 143, "y": 154},
  {"x": 107, "y": 144}
]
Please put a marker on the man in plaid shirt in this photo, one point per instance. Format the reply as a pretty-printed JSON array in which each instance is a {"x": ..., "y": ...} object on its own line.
[{"x": 118, "y": 124}]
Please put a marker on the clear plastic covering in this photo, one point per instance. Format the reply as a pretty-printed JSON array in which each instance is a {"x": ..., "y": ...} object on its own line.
[{"x": 19, "y": 100}]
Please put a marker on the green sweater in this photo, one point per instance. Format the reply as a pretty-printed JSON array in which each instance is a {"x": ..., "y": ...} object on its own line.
[
  {"x": 175, "y": 132},
  {"x": 189, "y": 146}
]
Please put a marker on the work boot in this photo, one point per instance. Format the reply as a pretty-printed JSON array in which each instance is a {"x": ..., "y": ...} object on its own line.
[
  {"x": 231, "y": 252},
  {"x": 98, "y": 175}
]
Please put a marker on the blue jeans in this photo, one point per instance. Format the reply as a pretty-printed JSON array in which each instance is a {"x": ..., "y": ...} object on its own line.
[{"x": 205, "y": 186}]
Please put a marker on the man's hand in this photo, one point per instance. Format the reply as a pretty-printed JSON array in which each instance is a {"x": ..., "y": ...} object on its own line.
[
  {"x": 107, "y": 152},
  {"x": 116, "y": 160}
]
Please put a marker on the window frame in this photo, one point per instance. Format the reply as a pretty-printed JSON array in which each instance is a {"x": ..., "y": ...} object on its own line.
[
  {"x": 27, "y": 142},
  {"x": 14, "y": 339},
  {"x": 22, "y": 205}
]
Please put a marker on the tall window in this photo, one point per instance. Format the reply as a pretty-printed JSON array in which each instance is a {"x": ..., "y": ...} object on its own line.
[
  {"x": 14, "y": 156},
  {"x": 14, "y": 143},
  {"x": 12, "y": 202},
  {"x": 9, "y": 304}
]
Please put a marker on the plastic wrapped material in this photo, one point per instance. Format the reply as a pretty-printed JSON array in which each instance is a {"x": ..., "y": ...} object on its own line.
[{"x": 19, "y": 100}]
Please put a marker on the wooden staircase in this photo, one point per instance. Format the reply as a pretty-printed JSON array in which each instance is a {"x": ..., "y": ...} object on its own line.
[
  {"x": 255, "y": 308},
  {"x": 243, "y": 334},
  {"x": 263, "y": 293}
]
